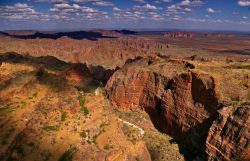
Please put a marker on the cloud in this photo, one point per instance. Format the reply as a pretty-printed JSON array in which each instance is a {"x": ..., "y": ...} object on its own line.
[
  {"x": 51, "y": 1},
  {"x": 183, "y": 7},
  {"x": 244, "y": 3},
  {"x": 21, "y": 5},
  {"x": 86, "y": 1},
  {"x": 210, "y": 10},
  {"x": 62, "y": 5},
  {"x": 176, "y": 18},
  {"x": 140, "y": 1},
  {"x": 167, "y": 1},
  {"x": 116, "y": 9},
  {"x": 104, "y": 3},
  {"x": 146, "y": 7},
  {"x": 53, "y": 9},
  {"x": 150, "y": 7},
  {"x": 21, "y": 12}
]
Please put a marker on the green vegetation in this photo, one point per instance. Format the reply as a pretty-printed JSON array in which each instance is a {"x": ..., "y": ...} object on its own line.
[
  {"x": 132, "y": 134},
  {"x": 107, "y": 147},
  {"x": 7, "y": 135},
  {"x": 68, "y": 155},
  {"x": 240, "y": 66},
  {"x": 159, "y": 146},
  {"x": 52, "y": 128},
  {"x": 42, "y": 109},
  {"x": 20, "y": 149},
  {"x": 46, "y": 156},
  {"x": 84, "y": 133},
  {"x": 81, "y": 100},
  {"x": 23, "y": 103},
  {"x": 84, "y": 110},
  {"x": 3, "y": 86},
  {"x": 63, "y": 116},
  {"x": 20, "y": 77},
  {"x": 32, "y": 96},
  {"x": 53, "y": 141},
  {"x": 6, "y": 109},
  {"x": 102, "y": 129},
  {"x": 31, "y": 144}
]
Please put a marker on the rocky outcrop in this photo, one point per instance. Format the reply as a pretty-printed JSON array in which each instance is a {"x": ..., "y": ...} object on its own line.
[
  {"x": 179, "y": 34},
  {"x": 229, "y": 135},
  {"x": 79, "y": 74},
  {"x": 181, "y": 104},
  {"x": 196, "y": 35}
]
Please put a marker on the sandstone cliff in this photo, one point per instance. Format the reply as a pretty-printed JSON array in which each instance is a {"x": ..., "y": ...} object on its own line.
[
  {"x": 181, "y": 101},
  {"x": 228, "y": 137}
]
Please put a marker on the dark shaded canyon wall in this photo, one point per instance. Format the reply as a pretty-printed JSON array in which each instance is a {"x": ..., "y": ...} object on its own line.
[
  {"x": 188, "y": 106},
  {"x": 172, "y": 102}
]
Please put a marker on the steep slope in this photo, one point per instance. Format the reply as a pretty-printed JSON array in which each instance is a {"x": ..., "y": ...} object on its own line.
[
  {"x": 229, "y": 135},
  {"x": 181, "y": 98},
  {"x": 52, "y": 110}
]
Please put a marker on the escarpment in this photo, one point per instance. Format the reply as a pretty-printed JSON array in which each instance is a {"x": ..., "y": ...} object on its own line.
[
  {"x": 181, "y": 101},
  {"x": 228, "y": 137}
]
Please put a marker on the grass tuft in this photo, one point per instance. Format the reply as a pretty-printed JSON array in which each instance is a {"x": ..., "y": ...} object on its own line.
[{"x": 84, "y": 110}]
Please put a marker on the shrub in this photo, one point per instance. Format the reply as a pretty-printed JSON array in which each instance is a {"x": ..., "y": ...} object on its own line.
[
  {"x": 68, "y": 155},
  {"x": 63, "y": 116},
  {"x": 84, "y": 110},
  {"x": 8, "y": 135},
  {"x": 52, "y": 128}
]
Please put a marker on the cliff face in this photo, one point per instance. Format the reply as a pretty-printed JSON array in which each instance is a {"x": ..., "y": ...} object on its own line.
[
  {"x": 229, "y": 135},
  {"x": 180, "y": 104},
  {"x": 181, "y": 101}
]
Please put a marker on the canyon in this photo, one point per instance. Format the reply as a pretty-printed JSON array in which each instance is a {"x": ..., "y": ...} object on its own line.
[
  {"x": 184, "y": 101},
  {"x": 124, "y": 96}
]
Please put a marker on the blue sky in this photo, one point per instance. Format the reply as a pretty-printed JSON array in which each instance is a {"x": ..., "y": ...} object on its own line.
[{"x": 125, "y": 14}]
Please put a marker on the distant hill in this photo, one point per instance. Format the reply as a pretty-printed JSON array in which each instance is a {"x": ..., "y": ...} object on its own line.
[{"x": 91, "y": 35}]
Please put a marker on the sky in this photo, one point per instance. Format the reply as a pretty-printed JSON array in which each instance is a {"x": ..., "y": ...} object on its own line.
[{"x": 233, "y": 15}]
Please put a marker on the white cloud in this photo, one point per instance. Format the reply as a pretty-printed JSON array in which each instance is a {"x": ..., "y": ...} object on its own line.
[
  {"x": 76, "y": 6},
  {"x": 150, "y": 7},
  {"x": 244, "y": 3},
  {"x": 183, "y": 7},
  {"x": 85, "y": 1},
  {"x": 167, "y": 1},
  {"x": 140, "y": 1},
  {"x": 51, "y": 1},
  {"x": 21, "y": 12},
  {"x": 187, "y": 9},
  {"x": 210, "y": 10},
  {"x": 104, "y": 3},
  {"x": 146, "y": 7},
  {"x": 62, "y": 5},
  {"x": 116, "y": 9},
  {"x": 54, "y": 9},
  {"x": 21, "y": 5}
]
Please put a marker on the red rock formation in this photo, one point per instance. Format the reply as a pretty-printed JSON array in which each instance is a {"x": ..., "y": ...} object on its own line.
[
  {"x": 181, "y": 104},
  {"x": 79, "y": 75},
  {"x": 179, "y": 35},
  {"x": 229, "y": 135}
]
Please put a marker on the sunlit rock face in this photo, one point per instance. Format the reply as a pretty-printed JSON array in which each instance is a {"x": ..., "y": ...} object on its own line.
[
  {"x": 228, "y": 137},
  {"x": 182, "y": 102}
]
